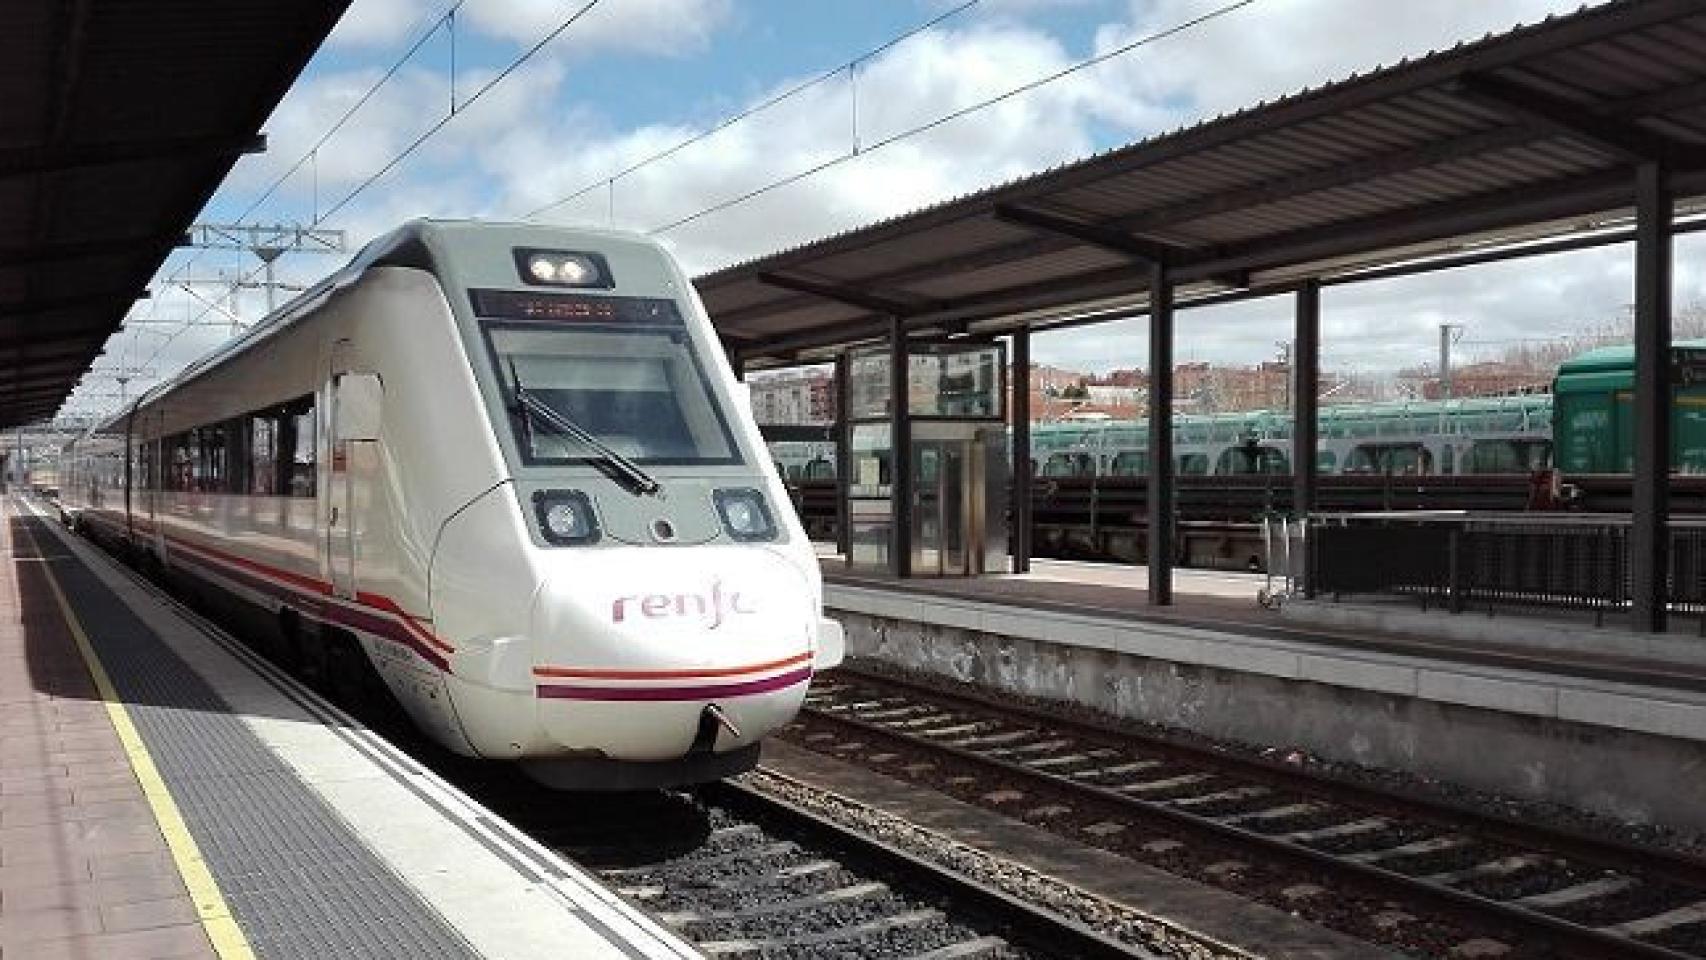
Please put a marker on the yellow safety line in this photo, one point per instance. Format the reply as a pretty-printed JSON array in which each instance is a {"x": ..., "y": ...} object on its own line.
[{"x": 222, "y": 929}]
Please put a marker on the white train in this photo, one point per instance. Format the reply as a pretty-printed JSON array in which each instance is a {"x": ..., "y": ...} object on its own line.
[{"x": 510, "y": 468}]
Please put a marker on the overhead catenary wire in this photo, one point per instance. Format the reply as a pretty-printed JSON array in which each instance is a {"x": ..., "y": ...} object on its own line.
[
  {"x": 312, "y": 153},
  {"x": 846, "y": 67},
  {"x": 866, "y": 149},
  {"x": 859, "y": 151},
  {"x": 455, "y": 111}
]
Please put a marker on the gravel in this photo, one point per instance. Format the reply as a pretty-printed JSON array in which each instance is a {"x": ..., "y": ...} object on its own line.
[
  {"x": 1400, "y": 782},
  {"x": 1073, "y": 817},
  {"x": 1111, "y": 919}
]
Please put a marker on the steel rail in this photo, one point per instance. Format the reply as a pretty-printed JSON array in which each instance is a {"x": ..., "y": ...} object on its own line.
[
  {"x": 1575, "y": 939},
  {"x": 1036, "y": 928},
  {"x": 1677, "y": 867}
]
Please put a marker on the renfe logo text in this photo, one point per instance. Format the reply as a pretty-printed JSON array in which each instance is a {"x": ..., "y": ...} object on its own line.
[{"x": 713, "y": 608}]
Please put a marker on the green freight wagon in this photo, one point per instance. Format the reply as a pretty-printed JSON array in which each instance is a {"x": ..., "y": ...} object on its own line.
[{"x": 1593, "y": 401}]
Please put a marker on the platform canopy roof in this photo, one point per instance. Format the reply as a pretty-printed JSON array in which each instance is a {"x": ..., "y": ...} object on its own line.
[
  {"x": 1527, "y": 134},
  {"x": 117, "y": 122}
]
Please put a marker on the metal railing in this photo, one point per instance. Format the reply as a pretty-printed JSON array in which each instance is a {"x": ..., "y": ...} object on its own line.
[{"x": 1462, "y": 561}]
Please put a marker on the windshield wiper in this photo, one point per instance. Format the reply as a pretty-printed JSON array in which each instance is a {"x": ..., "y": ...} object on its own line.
[{"x": 632, "y": 475}]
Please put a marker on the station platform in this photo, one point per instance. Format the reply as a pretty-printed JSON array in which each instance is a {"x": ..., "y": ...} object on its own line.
[
  {"x": 1545, "y": 708},
  {"x": 166, "y": 793}
]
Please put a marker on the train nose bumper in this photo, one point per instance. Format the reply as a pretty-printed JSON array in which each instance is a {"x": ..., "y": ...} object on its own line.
[{"x": 630, "y": 670}]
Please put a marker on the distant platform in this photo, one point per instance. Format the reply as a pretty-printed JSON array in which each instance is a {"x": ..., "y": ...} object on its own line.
[
  {"x": 166, "y": 793},
  {"x": 1545, "y": 707}
]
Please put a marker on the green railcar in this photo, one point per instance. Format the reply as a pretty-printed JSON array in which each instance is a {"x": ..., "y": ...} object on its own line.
[{"x": 1593, "y": 408}]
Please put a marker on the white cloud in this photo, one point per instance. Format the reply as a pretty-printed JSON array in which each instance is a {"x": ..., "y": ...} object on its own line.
[
  {"x": 656, "y": 27},
  {"x": 382, "y": 23},
  {"x": 1273, "y": 48},
  {"x": 659, "y": 27},
  {"x": 488, "y": 162}
]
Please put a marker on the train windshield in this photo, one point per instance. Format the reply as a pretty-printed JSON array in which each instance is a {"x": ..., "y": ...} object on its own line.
[{"x": 638, "y": 390}]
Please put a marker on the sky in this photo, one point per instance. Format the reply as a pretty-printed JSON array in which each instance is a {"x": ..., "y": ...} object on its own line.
[{"x": 622, "y": 115}]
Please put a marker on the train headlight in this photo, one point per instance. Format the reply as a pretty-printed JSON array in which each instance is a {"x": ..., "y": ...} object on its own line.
[
  {"x": 566, "y": 517},
  {"x": 563, "y": 268},
  {"x": 745, "y": 515}
]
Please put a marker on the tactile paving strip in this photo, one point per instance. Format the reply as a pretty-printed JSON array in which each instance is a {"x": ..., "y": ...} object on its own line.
[{"x": 298, "y": 881}]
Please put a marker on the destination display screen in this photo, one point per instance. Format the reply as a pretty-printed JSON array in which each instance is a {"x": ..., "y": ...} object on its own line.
[{"x": 575, "y": 308}]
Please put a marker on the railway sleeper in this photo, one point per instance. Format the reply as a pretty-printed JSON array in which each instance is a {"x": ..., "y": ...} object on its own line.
[
  {"x": 1137, "y": 766},
  {"x": 1430, "y": 845},
  {"x": 1285, "y": 812},
  {"x": 1041, "y": 746},
  {"x": 753, "y": 884},
  {"x": 1659, "y": 923},
  {"x": 982, "y": 946},
  {"x": 912, "y": 918},
  {"x": 953, "y": 730},
  {"x": 1234, "y": 794},
  {"x": 1502, "y": 867},
  {"x": 858, "y": 891},
  {"x": 1008, "y": 736},
  {"x": 780, "y": 848},
  {"x": 1366, "y": 825},
  {"x": 1156, "y": 786},
  {"x": 1578, "y": 892}
]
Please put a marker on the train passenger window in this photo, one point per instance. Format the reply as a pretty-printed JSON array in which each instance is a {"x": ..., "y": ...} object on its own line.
[
  {"x": 1067, "y": 465},
  {"x": 1249, "y": 458},
  {"x": 295, "y": 447},
  {"x": 1129, "y": 464},
  {"x": 263, "y": 453},
  {"x": 210, "y": 459},
  {"x": 1193, "y": 464},
  {"x": 144, "y": 477},
  {"x": 1395, "y": 458},
  {"x": 1326, "y": 461},
  {"x": 180, "y": 464},
  {"x": 237, "y": 455}
]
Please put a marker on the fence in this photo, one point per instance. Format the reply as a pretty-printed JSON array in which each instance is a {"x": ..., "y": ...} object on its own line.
[{"x": 1466, "y": 561}]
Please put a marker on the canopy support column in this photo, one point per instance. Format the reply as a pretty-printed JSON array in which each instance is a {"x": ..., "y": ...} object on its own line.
[
  {"x": 1305, "y": 394},
  {"x": 843, "y": 458},
  {"x": 1020, "y": 385},
  {"x": 1649, "y": 546},
  {"x": 1160, "y": 553},
  {"x": 900, "y": 452}
]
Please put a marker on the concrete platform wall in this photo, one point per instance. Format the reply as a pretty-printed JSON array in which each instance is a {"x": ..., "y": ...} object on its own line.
[{"x": 1630, "y": 775}]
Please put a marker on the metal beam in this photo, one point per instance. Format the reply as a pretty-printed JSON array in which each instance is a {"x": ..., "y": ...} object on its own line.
[
  {"x": 1391, "y": 163},
  {"x": 863, "y": 299},
  {"x": 1020, "y": 383},
  {"x": 29, "y": 161},
  {"x": 1616, "y": 137},
  {"x": 1145, "y": 252},
  {"x": 25, "y": 308},
  {"x": 1035, "y": 246},
  {"x": 141, "y": 246},
  {"x": 1462, "y": 216},
  {"x": 1160, "y": 493},
  {"x": 1649, "y": 546}
]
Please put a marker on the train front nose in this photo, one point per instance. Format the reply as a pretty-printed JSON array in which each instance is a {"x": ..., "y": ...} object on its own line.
[{"x": 656, "y": 658}]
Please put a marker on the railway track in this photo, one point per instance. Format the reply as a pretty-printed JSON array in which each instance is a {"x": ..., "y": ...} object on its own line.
[
  {"x": 735, "y": 868},
  {"x": 1580, "y": 895},
  {"x": 742, "y": 871}
]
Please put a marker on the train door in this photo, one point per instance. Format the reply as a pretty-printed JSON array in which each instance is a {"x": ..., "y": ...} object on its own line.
[{"x": 355, "y": 400}]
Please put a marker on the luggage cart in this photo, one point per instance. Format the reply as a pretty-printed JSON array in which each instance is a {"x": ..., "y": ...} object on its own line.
[{"x": 1283, "y": 542}]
